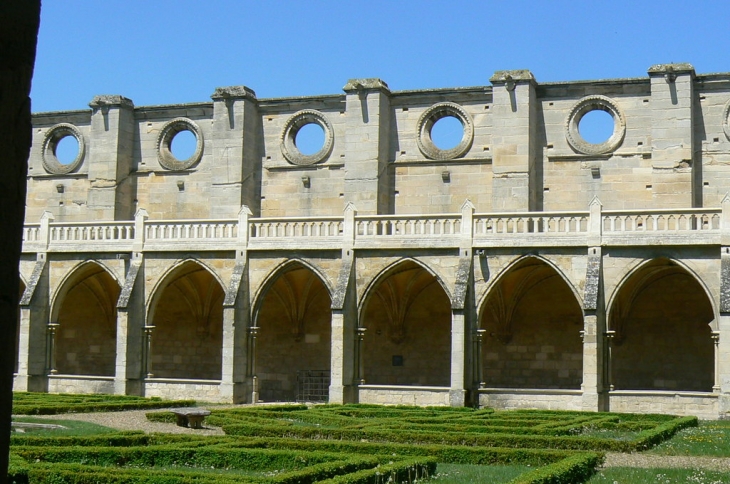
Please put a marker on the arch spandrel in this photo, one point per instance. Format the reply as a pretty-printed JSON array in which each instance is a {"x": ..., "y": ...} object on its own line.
[{"x": 371, "y": 270}]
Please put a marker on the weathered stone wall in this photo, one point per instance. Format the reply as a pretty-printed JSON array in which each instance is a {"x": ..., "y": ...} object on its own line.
[{"x": 521, "y": 150}]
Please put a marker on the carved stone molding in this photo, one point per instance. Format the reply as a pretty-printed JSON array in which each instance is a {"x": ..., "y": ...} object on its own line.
[
  {"x": 289, "y": 136},
  {"x": 164, "y": 142},
  {"x": 429, "y": 117},
  {"x": 50, "y": 143},
  {"x": 580, "y": 109}
]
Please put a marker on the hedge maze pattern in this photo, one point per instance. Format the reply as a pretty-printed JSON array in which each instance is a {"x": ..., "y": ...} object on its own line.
[{"x": 343, "y": 444}]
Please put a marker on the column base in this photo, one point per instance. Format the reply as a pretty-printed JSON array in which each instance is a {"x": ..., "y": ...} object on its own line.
[{"x": 458, "y": 398}]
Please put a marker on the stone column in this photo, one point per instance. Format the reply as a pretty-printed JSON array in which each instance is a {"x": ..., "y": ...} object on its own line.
[
  {"x": 594, "y": 317},
  {"x": 32, "y": 350},
  {"x": 367, "y": 135},
  {"x": 723, "y": 327},
  {"x": 131, "y": 317},
  {"x": 235, "y": 136},
  {"x": 723, "y": 364},
  {"x": 34, "y": 314},
  {"x": 343, "y": 346},
  {"x": 514, "y": 142},
  {"x": 457, "y": 390},
  {"x": 676, "y": 179},
  {"x": 235, "y": 385},
  {"x": 253, "y": 332},
  {"x": 51, "y": 349},
  {"x": 148, "y": 330},
  {"x": 113, "y": 127}
]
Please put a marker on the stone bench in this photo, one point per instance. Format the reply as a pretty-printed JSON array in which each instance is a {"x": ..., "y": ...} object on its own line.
[{"x": 190, "y": 417}]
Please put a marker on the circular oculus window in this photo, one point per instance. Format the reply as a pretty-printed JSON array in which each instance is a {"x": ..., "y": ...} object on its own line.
[
  {"x": 430, "y": 117},
  {"x": 585, "y": 106},
  {"x": 51, "y": 141},
  {"x": 164, "y": 144},
  {"x": 292, "y": 126}
]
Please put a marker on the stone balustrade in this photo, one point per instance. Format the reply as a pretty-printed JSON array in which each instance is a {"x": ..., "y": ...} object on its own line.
[
  {"x": 688, "y": 220},
  {"x": 531, "y": 222},
  {"x": 190, "y": 230},
  {"x": 700, "y": 226}
]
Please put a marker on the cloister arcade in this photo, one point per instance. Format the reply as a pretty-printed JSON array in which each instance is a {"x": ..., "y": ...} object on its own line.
[{"x": 526, "y": 326}]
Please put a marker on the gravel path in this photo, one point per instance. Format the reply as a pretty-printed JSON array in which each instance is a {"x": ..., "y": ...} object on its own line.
[
  {"x": 136, "y": 420},
  {"x": 133, "y": 420}
]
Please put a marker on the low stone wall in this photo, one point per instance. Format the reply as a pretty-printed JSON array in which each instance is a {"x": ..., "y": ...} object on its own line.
[
  {"x": 80, "y": 384},
  {"x": 401, "y": 395},
  {"x": 702, "y": 405},
  {"x": 510, "y": 399},
  {"x": 201, "y": 390}
]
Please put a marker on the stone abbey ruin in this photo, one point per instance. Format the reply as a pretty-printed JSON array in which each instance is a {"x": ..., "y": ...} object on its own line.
[{"x": 523, "y": 267}]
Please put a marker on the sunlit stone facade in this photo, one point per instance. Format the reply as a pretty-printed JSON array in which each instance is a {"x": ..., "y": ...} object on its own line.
[{"x": 523, "y": 266}]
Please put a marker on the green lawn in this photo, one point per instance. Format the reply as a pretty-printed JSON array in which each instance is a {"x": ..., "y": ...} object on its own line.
[
  {"x": 711, "y": 438},
  {"x": 73, "y": 428},
  {"x": 470, "y": 474}
]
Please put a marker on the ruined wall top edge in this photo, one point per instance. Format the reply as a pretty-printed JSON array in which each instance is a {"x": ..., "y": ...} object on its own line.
[{"x": 544, "y": 89}]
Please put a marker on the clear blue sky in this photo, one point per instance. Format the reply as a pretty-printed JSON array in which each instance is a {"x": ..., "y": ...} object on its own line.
[{"x": 165, "y": 51}]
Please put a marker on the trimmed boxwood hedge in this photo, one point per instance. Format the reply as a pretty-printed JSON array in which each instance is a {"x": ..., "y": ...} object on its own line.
[
  {"x": 347, "y": 444},
  {"x": 26, "y": 403}
]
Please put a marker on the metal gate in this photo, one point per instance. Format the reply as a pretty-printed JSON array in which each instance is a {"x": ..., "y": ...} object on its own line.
[{"x": 313, "y": 386}]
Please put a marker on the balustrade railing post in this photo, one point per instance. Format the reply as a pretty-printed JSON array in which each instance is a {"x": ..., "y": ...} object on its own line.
[
  {"x": 595, "y": 223},
  {"x": 725, "y": 221},
  {"x": 140, "y": 218},
  {"x": 467, "y": 221},
  {"x": 244, "y": 231},
  {"x": 44, "y": 234},
  {"x": 348, "y": 229}
]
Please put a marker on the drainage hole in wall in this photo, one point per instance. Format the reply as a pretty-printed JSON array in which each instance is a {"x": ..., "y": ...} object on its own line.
[
  {"x": 67, "y": 149},
  {"x": 309, "y": 139},
  {"x": 183, "y": 145},
  {"x": 596, "y": 126},
  {"x": 447, "y": 132}
]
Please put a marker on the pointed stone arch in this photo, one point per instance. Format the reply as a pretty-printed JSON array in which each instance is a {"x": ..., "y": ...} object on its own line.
[
  {"x": 186, "y": 311},
  {"x": 84, "y": 306},
  {"x": 292, "y": 314},
  {"x": 278, "y": 271},
  {"x": 406, "y": 315},
  {"x": 532, "y": 319},
  {"x": 661, "y": 319}
]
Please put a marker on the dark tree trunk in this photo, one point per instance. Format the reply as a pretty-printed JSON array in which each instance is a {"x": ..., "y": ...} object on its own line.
[{"x": 19, "y": 21}]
